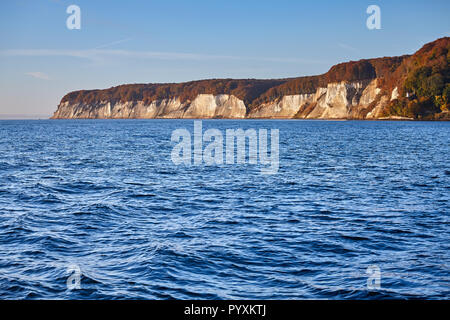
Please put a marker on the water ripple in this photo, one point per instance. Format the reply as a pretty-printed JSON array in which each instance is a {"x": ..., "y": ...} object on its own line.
[{"x": 104, "y": 196}]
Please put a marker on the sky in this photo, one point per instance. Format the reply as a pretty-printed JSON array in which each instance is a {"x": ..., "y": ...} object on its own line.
[{"x": 138, "y": 41}]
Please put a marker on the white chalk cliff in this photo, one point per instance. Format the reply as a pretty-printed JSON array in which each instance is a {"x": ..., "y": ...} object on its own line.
[{"x": 342, "y": 100}]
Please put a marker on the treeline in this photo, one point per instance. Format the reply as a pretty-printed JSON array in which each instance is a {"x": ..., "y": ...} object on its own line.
[
  {"x": 425, "y": 89},
  {"x": 246, "y": 89},
  {"x": 251, "y": 91},
  {"x": 349, "y": 71}
]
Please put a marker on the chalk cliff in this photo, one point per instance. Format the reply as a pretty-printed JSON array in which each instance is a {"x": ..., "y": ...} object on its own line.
[
  {"x": 366, "y": 89},
  {"x": 342, "y": 100}
]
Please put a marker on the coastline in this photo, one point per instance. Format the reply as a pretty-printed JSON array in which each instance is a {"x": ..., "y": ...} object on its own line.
[{"x": 392, "y": 118}]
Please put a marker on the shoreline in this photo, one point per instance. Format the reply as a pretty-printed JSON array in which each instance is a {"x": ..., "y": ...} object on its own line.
[{"x": 262, "y": 119}]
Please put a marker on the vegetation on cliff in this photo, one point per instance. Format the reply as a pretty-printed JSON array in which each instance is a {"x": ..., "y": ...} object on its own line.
[
  {"x": 422, "y": 82},
  {"x": 253, "y": 92},
  {"x": 424, "y": 91}
]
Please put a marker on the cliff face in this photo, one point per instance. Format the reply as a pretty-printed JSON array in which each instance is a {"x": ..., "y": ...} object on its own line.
[
  {"x": 203, "y": 106},
  {"x": 343, "y": 100},
  {"x": 366, "y": 89}
]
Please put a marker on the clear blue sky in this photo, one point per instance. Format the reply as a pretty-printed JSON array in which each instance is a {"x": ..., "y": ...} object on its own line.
[{"x": 172, "y": 41}]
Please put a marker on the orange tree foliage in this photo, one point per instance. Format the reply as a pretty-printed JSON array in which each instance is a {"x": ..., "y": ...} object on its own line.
[
  {"x": 425, "y": 77},
  {"x": 251, "y": 91}
]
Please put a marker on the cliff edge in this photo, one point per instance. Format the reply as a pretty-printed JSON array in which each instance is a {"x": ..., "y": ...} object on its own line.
[{"x": 407, "y": 87}]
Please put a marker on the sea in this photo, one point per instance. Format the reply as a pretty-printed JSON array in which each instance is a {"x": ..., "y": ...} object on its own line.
[{"x": 97, "y": 209}]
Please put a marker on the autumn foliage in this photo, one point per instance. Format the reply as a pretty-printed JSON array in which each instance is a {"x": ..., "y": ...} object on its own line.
[{"x": 424, "y": 83}]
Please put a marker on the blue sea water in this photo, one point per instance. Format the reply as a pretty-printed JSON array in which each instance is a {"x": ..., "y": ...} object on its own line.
[{"x": 105, "y": 196}]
